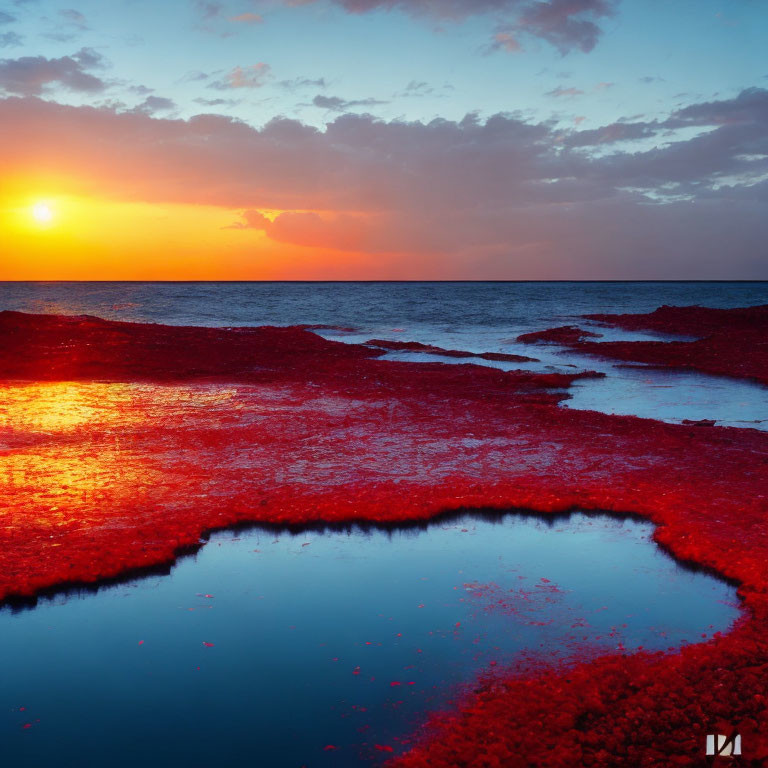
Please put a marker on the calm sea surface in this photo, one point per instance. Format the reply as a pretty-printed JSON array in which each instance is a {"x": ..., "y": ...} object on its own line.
[{"x": 470, "y": 310}]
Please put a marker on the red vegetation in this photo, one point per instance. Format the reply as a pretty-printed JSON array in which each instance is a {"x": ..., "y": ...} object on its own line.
[
  {"x": 104, "y": 472},
  {"x": 85, "y": 348},
  {"x": 691, "y": 321},
  {"x": 729, "y": 342},
  {"x": 415, "y": 346},
  {"x": 565, "y": 334},
  {"x": 59, "y": 348}
]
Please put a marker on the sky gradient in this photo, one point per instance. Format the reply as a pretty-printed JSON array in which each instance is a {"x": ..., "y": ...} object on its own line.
[{"x": 383, "y": 139}]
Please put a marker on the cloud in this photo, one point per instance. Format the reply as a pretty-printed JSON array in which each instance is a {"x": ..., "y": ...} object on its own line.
[
  {"x": 247, "y": 18},
  {"x": 417, "y": 89},
  {"x": 610, "y": 134},
  {"x": 253, "y": 76},
  {"x": 303, "y": 82},
  {"x": 34, "y": 75},
  {"x": 213, "y": 18},
  {"x": 505, "y": 41},
  {"x": 73, "y": 17},
  {"x": 10, "y": 39},
  {"x": 559, "y": 92},
  {"x": 217, "y": 102},
  {"x": 194, "y": 77},
  {"x": 6, "y": 18},
  {"x": 251, "y": 220},
  {"x": 208, "y": 10},
  {"x": 153, "y": 104},
  {"x": 337, "y": 104},
  {"x": 566, "y": 24},
  {"x": 140, "y": 90},
  {"x": 750, "y": 105},
  {"x": 500, "y": 197}
]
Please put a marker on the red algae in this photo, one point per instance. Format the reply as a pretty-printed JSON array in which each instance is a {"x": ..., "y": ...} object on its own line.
[
  {"x": 728, "y": 342},
  {"x": 122, "y": 444},
  {"x": 690, "y": 321},
  {"x": 415, "y": 346}
]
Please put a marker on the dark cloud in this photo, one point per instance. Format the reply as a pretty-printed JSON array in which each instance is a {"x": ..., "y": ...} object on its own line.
[
  {"x": 89, "y": 59},
  {"x": 217, "y": 102},
  {"x": 337, "y": 104},
  {"x": 10, "y": 39},
  {"x": 140, "y": 90},
  {"x": 33, "y": 75},
  {"x": 6, "y": 18},
  {"x": 750, "y": 106},
  {"x": 610, "y": 134},
  {"x": 154, "y": 104},
  {"x": 566, "y": 24}
]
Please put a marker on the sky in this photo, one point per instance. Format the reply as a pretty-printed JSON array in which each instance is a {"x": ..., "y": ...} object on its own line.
[{"x": 383, "y": 139}]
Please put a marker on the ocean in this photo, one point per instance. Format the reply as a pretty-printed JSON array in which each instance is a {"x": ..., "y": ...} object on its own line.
[{"x": 478, "y": 312}]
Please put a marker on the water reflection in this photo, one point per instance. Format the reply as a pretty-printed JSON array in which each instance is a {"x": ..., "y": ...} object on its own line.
[{"x": 270, "y": 645}]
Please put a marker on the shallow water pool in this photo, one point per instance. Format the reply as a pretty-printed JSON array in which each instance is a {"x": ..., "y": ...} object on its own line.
[{"x": 328, "y": 647}]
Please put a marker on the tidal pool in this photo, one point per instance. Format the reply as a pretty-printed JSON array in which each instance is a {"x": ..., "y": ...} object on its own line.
[
  {"x": 328, "y": 647},
  {"x": 670, "y": 395}
]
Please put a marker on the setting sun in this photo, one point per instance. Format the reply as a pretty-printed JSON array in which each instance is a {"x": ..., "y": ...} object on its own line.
[{"x": 42, "y": 213}]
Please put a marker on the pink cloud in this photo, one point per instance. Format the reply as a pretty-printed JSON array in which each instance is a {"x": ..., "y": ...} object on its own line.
[
  {"x": 506, "y": 42},
  {"x": 252, "y": 76},
  {"x": 247, "y": 18}
]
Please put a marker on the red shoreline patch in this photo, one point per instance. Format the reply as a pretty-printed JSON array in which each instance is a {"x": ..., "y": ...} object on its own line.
[
  {"x": 218, "y": 426},
  {"x": 728, "y": 342}
]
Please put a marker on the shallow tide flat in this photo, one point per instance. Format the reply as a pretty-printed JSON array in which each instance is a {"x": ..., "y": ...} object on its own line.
[{"x": 124, "y": 443}]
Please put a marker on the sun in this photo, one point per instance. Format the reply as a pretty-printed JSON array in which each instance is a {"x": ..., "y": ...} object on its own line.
[{"x": 42, "y": 213}]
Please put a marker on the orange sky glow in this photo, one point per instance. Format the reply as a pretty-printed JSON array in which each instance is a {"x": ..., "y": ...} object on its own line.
[{"x": 91, "y": 238}]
